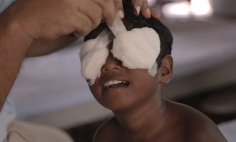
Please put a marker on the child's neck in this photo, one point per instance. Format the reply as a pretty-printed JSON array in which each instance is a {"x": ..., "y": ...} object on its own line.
[{"x": 145, "y": 121}]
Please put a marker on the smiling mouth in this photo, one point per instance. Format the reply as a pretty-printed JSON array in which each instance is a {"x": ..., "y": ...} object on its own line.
[{"x": 115, "y": 83}]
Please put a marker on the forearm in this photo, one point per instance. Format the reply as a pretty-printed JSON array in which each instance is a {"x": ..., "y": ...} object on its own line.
[
  {"x": 13, "y": 47},
  {"x": 43, "y": 47}
]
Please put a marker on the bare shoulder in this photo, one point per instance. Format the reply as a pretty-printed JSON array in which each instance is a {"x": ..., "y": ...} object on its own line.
[
  {"x": 198, "y": 127},
  {"x": 108, "y": 131}
]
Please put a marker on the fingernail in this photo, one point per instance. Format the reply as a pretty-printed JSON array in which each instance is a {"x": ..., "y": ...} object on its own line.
[
  {"x": 148, "y": 12},
  {"x": 138, "y": 9},
  {"x": 121, "y": 14}
]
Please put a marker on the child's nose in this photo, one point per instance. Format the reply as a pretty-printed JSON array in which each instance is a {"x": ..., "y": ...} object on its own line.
[{"x": 112, "y": 64}]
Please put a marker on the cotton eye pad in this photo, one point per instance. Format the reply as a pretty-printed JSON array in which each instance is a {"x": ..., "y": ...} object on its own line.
[
  {"x": 93, "y": 55},
  {"x": 137, "y": 49}
]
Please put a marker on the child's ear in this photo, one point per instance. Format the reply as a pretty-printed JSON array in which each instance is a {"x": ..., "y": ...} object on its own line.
[{"x": 165, "y": 70}]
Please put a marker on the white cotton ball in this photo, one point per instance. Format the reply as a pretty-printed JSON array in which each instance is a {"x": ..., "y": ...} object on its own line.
[
  {"x": 86, "y": 47},
  {"x": 137, "y": 49},
  {"x": 93, "y": 56}
]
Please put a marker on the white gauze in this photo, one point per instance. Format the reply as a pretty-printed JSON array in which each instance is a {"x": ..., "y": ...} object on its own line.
[
  {"x": 137, "y": 49},
  {"x": 93, "y": 55}
]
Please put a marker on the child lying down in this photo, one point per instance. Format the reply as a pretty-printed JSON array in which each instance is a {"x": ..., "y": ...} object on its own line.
[{"x": 126, "y": 71}]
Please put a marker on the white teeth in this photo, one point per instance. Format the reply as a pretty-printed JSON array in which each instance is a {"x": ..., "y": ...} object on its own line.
[{"x": 113, "y": 82}]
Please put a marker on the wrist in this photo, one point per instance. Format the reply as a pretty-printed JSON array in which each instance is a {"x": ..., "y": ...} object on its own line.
[
  {"x": 12, "y": 28},
  {"x": 13, "y": 32}
]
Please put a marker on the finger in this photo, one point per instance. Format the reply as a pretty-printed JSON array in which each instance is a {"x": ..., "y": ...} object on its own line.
[
  {"x": 93, "y": 11},
  {"x": 108, "y": 8},
  {"x": 95, "y": 14},
  {"x": 119, "y": 8},
  {"x": 155, "y": 14},
  {"x": 145, "y": 9},
  {"x": 137, "y": 5},
  {"x": 83, "y": 25}
]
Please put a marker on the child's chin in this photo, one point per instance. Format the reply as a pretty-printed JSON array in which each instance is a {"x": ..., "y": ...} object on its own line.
[{"x": 117, "y": 106}]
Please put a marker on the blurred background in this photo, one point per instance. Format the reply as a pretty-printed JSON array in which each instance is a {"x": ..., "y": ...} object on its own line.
[{"x": 49, "y": 90}]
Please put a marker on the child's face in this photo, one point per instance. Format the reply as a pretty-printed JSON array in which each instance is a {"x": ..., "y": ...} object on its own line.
[{"x": 119, "y": 87}]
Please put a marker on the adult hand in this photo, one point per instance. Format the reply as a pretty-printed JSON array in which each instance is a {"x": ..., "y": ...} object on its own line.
[
  {"x": 53, "y": 18},
  {"x": 143, "y": 6},
  {"x": 42, "y": 47}
]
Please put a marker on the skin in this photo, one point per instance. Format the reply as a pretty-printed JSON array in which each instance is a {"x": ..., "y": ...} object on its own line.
[
  {"x": 141, "y": 114},
  {"x": 38, "y": 27}
]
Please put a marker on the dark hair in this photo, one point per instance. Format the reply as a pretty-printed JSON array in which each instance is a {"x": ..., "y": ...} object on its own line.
[{"x": 132, "y": 21}]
